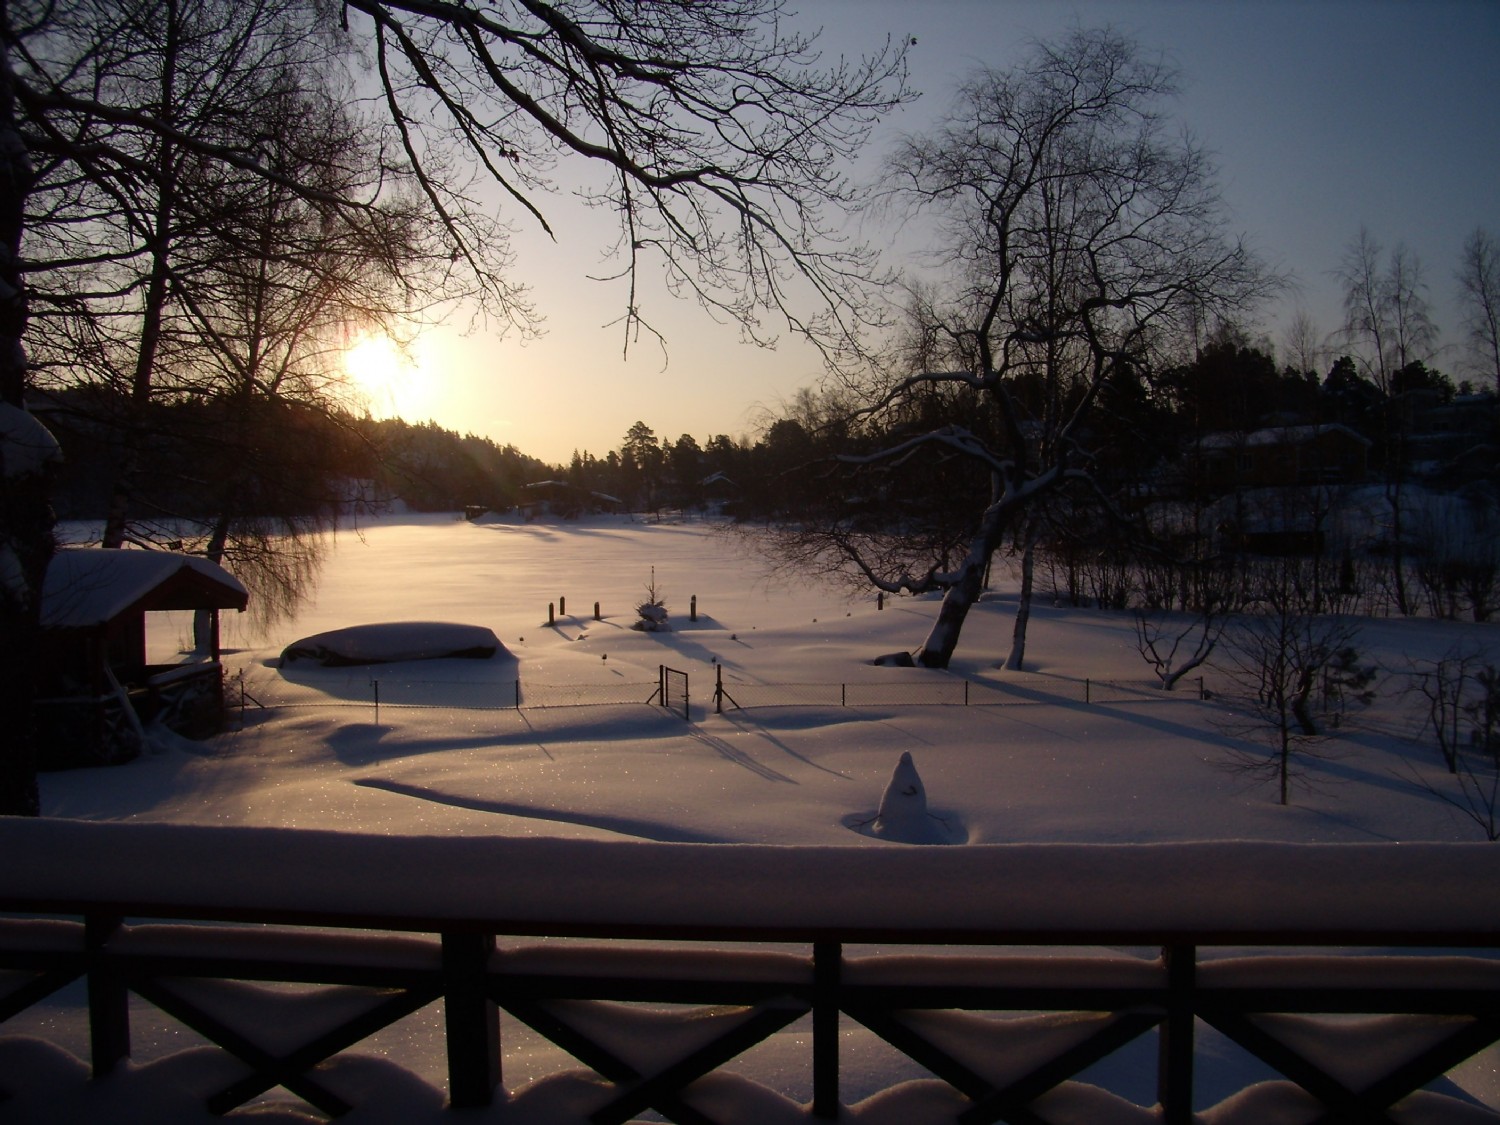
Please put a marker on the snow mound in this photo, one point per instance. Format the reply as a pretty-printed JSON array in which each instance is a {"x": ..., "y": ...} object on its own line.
[
  {"x": 26, "y": 446},
  {"x": 393, "y": 641},
  {"x": 903, "y": 816}
]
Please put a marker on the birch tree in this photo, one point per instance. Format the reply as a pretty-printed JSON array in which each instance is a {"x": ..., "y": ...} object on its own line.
[
  {"x": 1077, "y": 235},
  {"x": 1388, "y": 324},
  {"x": 1479, "y": 285}
]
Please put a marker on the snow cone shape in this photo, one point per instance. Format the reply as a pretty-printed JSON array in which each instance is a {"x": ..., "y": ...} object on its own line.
[{"x": 903, "y": 814}]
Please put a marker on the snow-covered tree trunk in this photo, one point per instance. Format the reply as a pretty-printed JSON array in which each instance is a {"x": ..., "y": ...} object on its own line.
[
  {"x": 1017, "y": 658},
  {"x": 27, "y": 453},
  {"x": 213, "y": 550},
  {"x": 963, "y": 592}
]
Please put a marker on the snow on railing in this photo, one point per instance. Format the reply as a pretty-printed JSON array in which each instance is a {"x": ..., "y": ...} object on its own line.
[{"x": 1087, "y": 948}]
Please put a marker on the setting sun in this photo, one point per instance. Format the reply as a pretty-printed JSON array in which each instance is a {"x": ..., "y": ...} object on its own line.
[{"x": 385, "y": 377}]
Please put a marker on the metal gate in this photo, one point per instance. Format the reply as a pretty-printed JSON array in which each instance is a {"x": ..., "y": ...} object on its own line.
[{"x": 672, "y": 690}]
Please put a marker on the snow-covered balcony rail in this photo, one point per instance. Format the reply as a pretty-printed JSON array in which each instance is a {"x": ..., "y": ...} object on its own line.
[{"x": 1084, "y": 949}]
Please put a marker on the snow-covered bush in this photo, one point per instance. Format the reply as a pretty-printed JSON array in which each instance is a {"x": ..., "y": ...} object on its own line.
[{"x": 652, "y": 613}]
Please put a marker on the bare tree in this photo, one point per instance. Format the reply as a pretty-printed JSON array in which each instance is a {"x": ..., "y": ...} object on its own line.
[
  {"x": 1462, "y": 690},
  {"x": 27, "y": 456},
  {"x": 126, "y": 212},
  {"x": 1479, "y": 282},
  {"x": 1303, "y": 344},
  {"x": 1367, "y": 314},
  {"x": 1077, "y": 236},
  {"x": 1388, "y": 324},
  {"x": 719, "y": 137},
  {"x": 1178, "y": 643},
  {"x": 1297, "y": 670}
]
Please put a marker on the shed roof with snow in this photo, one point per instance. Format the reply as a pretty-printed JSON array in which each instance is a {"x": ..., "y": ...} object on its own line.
[{"x": 88, "y": 587}]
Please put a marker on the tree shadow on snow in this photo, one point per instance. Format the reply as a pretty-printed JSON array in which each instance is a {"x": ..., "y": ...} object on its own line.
[{"x": 625, "y": 826}]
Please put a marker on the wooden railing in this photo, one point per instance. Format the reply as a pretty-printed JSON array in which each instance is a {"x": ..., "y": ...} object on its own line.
[{"x": 1152, "y": 940}]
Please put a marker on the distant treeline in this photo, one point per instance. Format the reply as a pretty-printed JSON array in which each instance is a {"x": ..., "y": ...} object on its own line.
[
  {"x": 287, "y": 459},
  {"x": 292, "y": 458}
]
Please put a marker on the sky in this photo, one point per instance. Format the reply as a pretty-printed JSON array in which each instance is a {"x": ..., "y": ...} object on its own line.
[{"x": 1324, "y": 116}]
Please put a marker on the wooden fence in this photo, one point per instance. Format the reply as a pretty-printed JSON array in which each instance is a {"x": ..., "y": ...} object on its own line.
[{"x": 1148, "y": 940}]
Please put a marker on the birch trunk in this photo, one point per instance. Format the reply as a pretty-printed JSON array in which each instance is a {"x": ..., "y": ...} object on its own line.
[
  {"x": 937, "y": 650},
  {"x": 1017, "y": 658}
]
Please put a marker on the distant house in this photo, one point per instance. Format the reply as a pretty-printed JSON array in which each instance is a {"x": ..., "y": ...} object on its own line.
[
  {"x": 1283, "y": 455},
  {"x": 1455, "y": 438},
  {"x": 562, "y": 498},
  {"x": 96, "y": 688},
  {"x": 719, "y": 492}
]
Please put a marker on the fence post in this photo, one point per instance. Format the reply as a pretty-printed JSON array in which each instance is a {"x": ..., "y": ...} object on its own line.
[
  {"x": 518, "y": 693},
  {"x": 693, "y": 608},
  {"x": 109, "y": 1008},
  {"x": 718, "y": 689},
  {"x": 1088, "y": 691},
  {"x": 843, "y": 695},
  {"x": 562, "y": 604},
  {"x": 1174, "y": 1075},
  {"x": 880, "y": 599},
  {"x": 376, "y": 685},
  {"x": 551, "y": 615},
  {"x": 827, "y": 974},
  {"x": 472, "y": 1020},
  {"x": 596, "y": 612}
]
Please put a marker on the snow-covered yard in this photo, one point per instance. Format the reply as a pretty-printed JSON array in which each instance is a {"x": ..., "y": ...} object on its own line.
[{"x": 446, "y": 754}]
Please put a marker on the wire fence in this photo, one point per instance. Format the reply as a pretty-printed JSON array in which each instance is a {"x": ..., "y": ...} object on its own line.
[
  {"x": 403, "y": 692},
  {"x": 948, "y": 692},
  {"x": 671, "y": 691}
]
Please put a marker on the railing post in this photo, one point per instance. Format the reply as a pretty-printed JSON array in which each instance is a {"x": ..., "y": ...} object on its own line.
[
  {"x": 1174, "y": 1075},
  {"x": 471, "y": 1020},
  {"x": 828, "y": 960},
  {"x": 109, "y": 1002}
]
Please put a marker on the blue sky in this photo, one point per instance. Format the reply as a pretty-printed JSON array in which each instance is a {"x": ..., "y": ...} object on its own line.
[{"x": 1324, "y": 115}]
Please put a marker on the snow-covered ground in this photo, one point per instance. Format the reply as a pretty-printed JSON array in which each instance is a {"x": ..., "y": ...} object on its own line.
[{"x": 445, "y": 754}]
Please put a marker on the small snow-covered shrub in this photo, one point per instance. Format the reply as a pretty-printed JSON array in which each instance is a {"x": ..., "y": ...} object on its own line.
[{"x": 652, "y": 614}]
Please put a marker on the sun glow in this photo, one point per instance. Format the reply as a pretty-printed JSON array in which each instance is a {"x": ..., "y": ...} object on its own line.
[{"x": 386, "y": 379}]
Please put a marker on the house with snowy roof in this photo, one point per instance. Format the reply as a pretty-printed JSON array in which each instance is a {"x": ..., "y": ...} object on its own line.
[
  {"x": 1280, "y": 456},
  {"x": 565, "y": 499},
  {"x": 96, "y": 688}
]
